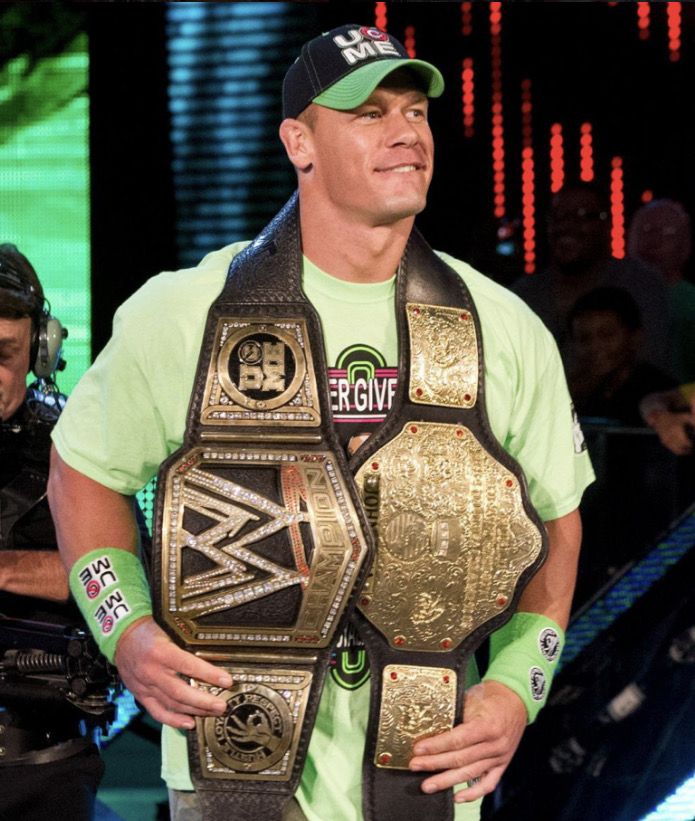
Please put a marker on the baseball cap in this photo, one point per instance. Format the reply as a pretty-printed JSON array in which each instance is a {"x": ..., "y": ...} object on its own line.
[{"x": 342, "y": 67}]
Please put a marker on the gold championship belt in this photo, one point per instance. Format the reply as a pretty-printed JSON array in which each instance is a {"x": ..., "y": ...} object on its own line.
[
  {"x": 457, "y": 538},
  {"x": 452, "y": 533},
  {"x": 264, "y": 539}
]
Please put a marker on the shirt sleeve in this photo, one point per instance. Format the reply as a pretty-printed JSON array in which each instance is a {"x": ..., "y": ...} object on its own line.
[
  {"x": 544, "y": 435},
  {"x": 111, "y": 430},
  {"x": 128, "y": 412}
]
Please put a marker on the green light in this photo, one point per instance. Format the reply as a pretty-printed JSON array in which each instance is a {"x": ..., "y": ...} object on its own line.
[{"x": 44, "y": 185}]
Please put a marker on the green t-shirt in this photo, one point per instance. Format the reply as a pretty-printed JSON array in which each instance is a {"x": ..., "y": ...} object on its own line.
[{"x": 128, "y": 414}]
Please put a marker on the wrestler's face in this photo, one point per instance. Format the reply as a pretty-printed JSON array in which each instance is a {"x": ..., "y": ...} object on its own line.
[
  {"x": 373, "y": 164},
  {"x": 15, "y": 341}
]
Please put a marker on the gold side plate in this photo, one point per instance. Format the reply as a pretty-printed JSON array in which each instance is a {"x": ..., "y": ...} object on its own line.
[
  {"x": 257, "y": 737},
  {"x": 262, "y": 373},
  {"x": 416, "y": 702},
  {"x": 443, "y": 356},
  {"x": 453, "y": 537}
]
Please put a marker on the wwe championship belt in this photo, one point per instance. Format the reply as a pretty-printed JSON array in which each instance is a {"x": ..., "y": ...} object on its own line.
[
  {"x": 263, "y": 538},
  {"x": 261, "y": 541},
  {"x": 262, "y": 545}
]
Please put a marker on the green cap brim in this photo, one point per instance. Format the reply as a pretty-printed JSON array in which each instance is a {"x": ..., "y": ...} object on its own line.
[{"x": 353, "y": 89}]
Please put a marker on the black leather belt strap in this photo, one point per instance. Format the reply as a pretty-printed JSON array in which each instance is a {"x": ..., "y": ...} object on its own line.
[{"x": 396, "y": 794}]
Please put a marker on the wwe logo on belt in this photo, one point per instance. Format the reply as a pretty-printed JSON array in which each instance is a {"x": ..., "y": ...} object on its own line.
[{"x": 236, "y": 577}]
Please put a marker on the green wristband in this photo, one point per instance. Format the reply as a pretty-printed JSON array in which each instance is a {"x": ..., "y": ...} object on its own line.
[
  {"x": 523, "y": 656},
  {"x": 111, "y": 590}
]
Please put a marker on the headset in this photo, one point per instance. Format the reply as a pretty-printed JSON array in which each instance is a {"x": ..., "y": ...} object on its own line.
[{"x": 47, "y": 332}]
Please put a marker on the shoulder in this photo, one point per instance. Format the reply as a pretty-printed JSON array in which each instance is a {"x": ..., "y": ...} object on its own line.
[
  {"x": 185, "y": 291},
  {"x": 633, "y": 275},
  {"x": 683, "y": 293}
]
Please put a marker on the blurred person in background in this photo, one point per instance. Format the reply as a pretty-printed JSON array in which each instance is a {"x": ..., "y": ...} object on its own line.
[
  {"x": 660, "y": 235},
  {"x": 608, "y": 377},
  {"x": 580, "y": 260}
]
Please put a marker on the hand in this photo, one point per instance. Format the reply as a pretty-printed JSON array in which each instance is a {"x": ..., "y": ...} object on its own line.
[
  {"x": 494, "y": 719},
  {"x": 150, "y": 665},
  {"x": 673, "y": 430}
]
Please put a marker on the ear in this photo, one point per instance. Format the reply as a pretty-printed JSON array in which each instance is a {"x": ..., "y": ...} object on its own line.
[{"x": 297, "y": 139}]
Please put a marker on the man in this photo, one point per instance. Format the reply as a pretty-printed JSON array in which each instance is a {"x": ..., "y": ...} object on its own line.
[
  {"x": 45, "y": 760},
  {"x": 580, "y": 260},
  {"x": 356, "y": 131},
  {"x": 610, "y": 378},
  {"x": 660, "y": 236}
]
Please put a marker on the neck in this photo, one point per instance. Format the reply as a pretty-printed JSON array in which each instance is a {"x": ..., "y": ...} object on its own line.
[
  {"x": 616, "y": 379},
  {"x": 351, "y": 250}
]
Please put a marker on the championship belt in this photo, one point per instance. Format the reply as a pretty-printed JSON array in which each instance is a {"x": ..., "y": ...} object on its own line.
[
  {"x": 263, "y": 538},
  {"x": 261, "y": 545},
  {"x": 457, "y": 538}
]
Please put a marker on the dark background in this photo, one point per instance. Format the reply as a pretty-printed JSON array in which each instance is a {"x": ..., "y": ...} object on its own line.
[{"x": 585, "y": 61}]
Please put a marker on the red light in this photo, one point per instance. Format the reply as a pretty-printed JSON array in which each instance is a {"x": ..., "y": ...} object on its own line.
[
  {"x": 409, "y": 41},
  {"x": 528, "y": 180},
  {"x": 468, "y": 96},
  {"x": 586, "y": 153},
  {"x": 466, "y": 19},
  {"x": 617, "y": 209},
  {"x": 673, "y": 14},
  {"x": 496, "y": 109},
  {"x": 643, "y": 12},
  {"x": 380, "y": 16},
  {"x": 647, "y": 195},
  {"x": 557, "y": 158}
]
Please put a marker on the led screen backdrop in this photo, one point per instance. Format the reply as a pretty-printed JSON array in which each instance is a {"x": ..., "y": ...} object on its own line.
[
  {"x": 226, "y": 63},
  {"x": 44, "y": 182}
]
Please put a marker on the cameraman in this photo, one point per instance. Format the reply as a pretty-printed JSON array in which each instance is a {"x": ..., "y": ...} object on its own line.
[{"x": 47, "y": 760}]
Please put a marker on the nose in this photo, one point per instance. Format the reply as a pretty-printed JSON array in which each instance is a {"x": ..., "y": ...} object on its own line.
[{"x": 401, "y": 131}]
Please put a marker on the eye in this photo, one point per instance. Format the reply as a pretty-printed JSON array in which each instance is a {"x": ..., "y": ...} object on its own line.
[{"x": 371, "y": 114}]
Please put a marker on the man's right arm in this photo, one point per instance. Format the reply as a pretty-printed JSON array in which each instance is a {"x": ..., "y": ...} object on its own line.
[{"x": 88, "y": 516}]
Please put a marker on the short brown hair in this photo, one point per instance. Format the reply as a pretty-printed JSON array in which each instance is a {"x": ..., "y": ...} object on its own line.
[{"x": 21, "y": 293}]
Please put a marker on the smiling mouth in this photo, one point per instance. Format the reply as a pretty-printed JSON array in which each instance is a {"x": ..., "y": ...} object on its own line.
[{"x": 400, "y": 169}]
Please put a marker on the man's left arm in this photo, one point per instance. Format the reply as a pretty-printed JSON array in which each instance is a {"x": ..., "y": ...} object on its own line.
[
  {"x": 494, "y": 715},
  {"x": 38, "y": 573}
]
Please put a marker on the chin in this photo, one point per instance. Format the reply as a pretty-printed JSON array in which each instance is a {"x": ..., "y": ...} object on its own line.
[{"x": 396, "y": 211}]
